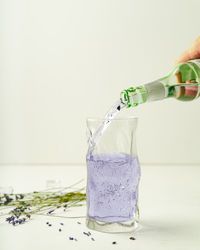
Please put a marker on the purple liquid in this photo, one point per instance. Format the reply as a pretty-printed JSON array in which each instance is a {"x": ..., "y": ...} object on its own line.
[{"x": 112, "y": 187}]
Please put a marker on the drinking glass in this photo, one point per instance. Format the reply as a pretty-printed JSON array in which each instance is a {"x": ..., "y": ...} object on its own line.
[{"x": 113, "y": 174}]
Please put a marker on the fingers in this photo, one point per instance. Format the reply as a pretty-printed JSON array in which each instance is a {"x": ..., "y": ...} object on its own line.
[
  {"x": 192, "y": 53},
  {"x": 183, "y": 57}
]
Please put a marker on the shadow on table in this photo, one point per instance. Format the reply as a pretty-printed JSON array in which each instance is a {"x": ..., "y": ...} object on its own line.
[{"x": 178, "y": 229}]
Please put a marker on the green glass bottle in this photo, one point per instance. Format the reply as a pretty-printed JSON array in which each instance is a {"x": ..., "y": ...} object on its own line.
[{"x": 182, "y": 83}]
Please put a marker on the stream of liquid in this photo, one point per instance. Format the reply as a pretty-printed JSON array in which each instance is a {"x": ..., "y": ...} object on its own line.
[{"x": 93, "y": 139}]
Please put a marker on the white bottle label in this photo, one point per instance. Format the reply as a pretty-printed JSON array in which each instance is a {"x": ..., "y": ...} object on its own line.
[{"x": 196, "y": 61}]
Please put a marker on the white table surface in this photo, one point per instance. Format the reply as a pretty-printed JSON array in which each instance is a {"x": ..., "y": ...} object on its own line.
[{"x": 169, "y": 201}]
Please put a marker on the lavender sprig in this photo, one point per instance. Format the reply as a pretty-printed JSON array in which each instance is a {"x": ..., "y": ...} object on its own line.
[{"x": 46, "y": 202}]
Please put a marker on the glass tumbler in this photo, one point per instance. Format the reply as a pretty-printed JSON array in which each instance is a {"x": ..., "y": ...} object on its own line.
[{"x": 113, "y": 174}]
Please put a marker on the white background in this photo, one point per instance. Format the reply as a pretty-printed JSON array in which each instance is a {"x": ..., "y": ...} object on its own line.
[{"x": 62, "y": 61}]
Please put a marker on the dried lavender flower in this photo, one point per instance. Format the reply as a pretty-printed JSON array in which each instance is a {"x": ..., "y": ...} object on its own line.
[
  {"x": 86, "y": 233},
  {"x": 50, "y": 211}
]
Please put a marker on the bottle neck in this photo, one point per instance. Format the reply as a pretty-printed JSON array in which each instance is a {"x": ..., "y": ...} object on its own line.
[
  {"x": 183, "y": 83},
  {"x": 153, "y": 91},
  {"x": 133, "y": 96}
]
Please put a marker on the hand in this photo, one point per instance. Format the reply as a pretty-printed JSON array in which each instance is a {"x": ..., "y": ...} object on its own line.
[{"x": 192, "y": 53}]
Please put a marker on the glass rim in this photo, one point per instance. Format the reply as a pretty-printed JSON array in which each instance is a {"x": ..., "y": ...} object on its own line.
[{"x": 129, "y": 118}]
